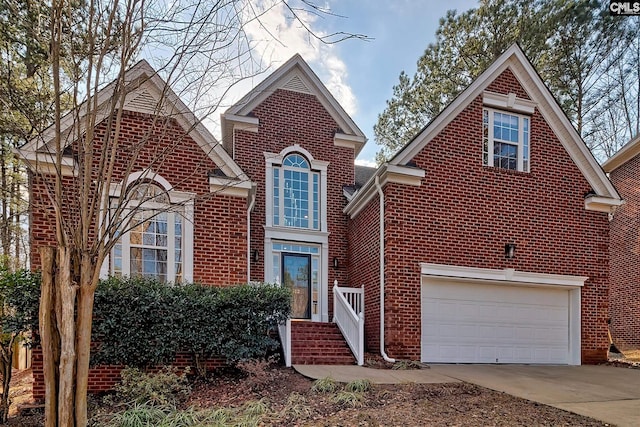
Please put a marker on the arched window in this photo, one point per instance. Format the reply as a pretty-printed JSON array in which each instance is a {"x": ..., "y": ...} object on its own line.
[
  {"x": 154, "y": 245},
  {"x": 296, "y": 190}
]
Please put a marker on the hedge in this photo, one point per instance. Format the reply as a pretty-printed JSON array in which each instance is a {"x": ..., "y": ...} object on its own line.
[{"x": 142, "y": 322}]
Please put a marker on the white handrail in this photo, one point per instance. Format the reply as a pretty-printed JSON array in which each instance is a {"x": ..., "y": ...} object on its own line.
[
  {"x": 284, "y": 330},
  {"x": 348, "y": 314}
]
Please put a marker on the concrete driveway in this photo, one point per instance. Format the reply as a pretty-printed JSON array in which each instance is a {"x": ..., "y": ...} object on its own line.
[{"x": 605, "y": 393}]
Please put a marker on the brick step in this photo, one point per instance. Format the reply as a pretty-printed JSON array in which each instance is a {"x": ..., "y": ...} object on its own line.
[
  {"x": 314, "y": 343},
  {"x": 344, "y": 360},
  {"x": 317, "y": 337}
]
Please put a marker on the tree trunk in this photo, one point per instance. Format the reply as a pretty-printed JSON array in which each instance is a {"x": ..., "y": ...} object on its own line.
[
  {"x": 6, "y": 201},
  {"x": 85, "y": 318},
  {"x": 49, "y": 339},
  {"x": 5, "y": 366},
  {"x": 65, "y": 314}
]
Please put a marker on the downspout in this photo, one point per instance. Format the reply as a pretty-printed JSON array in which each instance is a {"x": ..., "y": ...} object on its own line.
[
  {"x": 381, "y": 194},
  {"x": 249, "y": 209}
]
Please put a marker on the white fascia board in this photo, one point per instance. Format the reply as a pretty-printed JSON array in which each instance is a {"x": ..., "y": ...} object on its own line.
[
  {"x": 630, "y": 150},
  {"x": 249, "y": 124},
  {"x": 402, "y": 175},
  {"x": 348, "y": 196},
  {"x": 508, "y": 102},
  {"x": 508, "y": 276},
  {"x": 296, "y": 235},
  {"x": 45, "y": 163},
  {"x": 602, "y": 204},
  {"x": 387, "y": 173},
  {"x": 355, "y": 142},
  {"x": 230, "y": 187}
]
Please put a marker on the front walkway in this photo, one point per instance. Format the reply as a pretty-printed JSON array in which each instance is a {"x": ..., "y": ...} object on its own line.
[
  {"x": 606, "y": 393},
  {"x": 347, "y": 373}
]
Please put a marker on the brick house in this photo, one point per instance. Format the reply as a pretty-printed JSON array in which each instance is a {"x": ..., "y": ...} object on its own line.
[
  {"x": 484, "y": 240},
  {"x": 624, "y": 304}
]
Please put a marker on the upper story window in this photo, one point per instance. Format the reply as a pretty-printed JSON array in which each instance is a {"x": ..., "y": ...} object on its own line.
[
  {"x": 296, "y": 194},
  {"x": 505, "y": 140},
  {"x": 155, "y": 244}
]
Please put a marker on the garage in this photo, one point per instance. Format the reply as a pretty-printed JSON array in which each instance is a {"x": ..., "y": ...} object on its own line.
[{"x": 472, "y": 315}]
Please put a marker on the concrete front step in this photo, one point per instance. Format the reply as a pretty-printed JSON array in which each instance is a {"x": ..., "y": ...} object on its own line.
[{"x": 314, "y": 343}]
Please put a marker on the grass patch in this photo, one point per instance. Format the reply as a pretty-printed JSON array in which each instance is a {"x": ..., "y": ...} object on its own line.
[
  {"x": 324, "y": 385},
  {"x": 358, "y": 386},
  {"x": 349, "y": 398}
]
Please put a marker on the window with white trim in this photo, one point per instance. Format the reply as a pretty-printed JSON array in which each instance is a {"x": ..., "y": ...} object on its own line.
[
  {"x": 155, "y": 244},
  {"x": 296, "y": 194},
  {"x": 505, "y": 140}
]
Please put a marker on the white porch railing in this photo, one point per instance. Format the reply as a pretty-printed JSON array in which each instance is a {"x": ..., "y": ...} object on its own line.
[
  {"x": 348, "y": 314},
  {"x": 284, "y": 330}
]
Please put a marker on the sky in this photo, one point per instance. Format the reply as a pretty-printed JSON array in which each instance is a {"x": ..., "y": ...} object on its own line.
[{"x": 360, "y": 74}]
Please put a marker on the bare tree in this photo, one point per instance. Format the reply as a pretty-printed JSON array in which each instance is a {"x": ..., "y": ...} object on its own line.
[{"x": 84, "y": 160}]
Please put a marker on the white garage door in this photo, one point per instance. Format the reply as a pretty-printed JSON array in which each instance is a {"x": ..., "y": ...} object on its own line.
[{"x": 480, "y": 323}]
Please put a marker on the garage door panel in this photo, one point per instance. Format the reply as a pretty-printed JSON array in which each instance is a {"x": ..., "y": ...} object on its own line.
[{"x": 479, "y": 323}]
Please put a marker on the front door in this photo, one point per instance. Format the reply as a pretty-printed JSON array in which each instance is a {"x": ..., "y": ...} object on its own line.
[{"x": 296, "y": 274}]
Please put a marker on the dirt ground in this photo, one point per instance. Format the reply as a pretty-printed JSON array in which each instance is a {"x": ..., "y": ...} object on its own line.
[{"x": 291, "y": 396}]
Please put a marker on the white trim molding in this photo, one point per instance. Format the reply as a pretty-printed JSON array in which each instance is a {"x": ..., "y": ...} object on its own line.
[
  {"x": 511, "y": 277},
  {"x": 508, "y": 102},
  {"x": 245, "y": 123},
  {"x": 45, "y": 163},
  {"x": 630, "y": 150},
  {"x": 507, "y": 276},
  {"x": 602, "y": 204},
  {"x": 387, "y": 173},
  {"x": 179, "y": 198},
  {"x": 355, "y": 142},
  {"x": 275, "y": 159},
  {"x": 230, "y": 186}
]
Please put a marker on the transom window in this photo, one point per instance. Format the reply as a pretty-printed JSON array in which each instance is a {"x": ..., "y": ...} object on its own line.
[
  {"x": 505, "y": 140},
  {"x": 154, "y": 246},
  {"x": 296, "y": 190}
]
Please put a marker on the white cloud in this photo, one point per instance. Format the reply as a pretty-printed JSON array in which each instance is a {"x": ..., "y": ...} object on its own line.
[
  {"x": 276, "y": 37},
  {"x": 366, "y": 162}
]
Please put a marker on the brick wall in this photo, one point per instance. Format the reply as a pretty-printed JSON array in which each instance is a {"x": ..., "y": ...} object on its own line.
[
  {"x": 288, "y": 118},
  {"x": 625, "y": 258},
  {"x": 104, "y": 378},
  {"x": 464, "y": 213},
  {"x": 364, "y": 262}
]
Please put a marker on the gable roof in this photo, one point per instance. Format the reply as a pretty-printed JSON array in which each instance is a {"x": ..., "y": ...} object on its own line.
[
  {"x": 145, "y": 92},
  {"x": 294, "y": 75},
  {"x": 630, "y": 150},
  {"x": 515, "y": 60}
]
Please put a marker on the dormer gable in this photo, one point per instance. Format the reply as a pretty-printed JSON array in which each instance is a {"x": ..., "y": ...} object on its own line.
[
  {"x": 145, "y": 92},
  {"x": 536, "y": 96},
  {"x": 294, "y": 75}
]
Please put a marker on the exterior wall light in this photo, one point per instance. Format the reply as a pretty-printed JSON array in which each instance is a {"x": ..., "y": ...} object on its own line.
[
  {"x": 510, "y": 250},
  {"x": 256, "y": 255},
  {"x": 336, "y": 263}
]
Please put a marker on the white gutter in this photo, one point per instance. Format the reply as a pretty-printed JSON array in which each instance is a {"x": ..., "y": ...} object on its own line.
[
  {"x": 249, "y": 209},
  {"x": 381, "y": 194}
]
